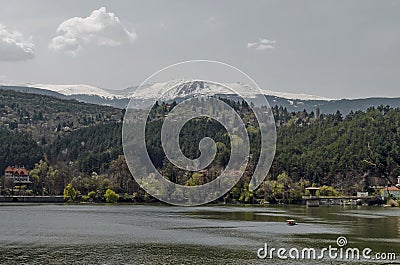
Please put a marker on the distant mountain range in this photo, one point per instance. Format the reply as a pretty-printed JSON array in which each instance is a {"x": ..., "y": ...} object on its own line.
[{"x": 120, "y": 98}]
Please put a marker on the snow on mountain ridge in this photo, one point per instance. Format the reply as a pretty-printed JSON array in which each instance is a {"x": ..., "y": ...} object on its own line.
[
  {"x": 285, "y": 95},
  {"x": 180, "y": 88},
  {"x": 69, "y": 90}
]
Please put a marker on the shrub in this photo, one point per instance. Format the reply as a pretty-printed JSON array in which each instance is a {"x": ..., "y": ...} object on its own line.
[
  {"x": 70, "y": 193},
  {"x": 85, "y": 198},
  {"x": 111, "y": 196},
  {"x": 327, "y": 191}
]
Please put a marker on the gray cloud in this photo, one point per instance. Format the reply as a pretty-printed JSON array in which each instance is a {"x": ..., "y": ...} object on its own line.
[
  {"x": 211, "y": 20},
  {"x": 13, "y": 46},
  {"x": 310, "y": 54},
  {"x": 100, "y": 28},
  {"x": 262, "y": 44}
]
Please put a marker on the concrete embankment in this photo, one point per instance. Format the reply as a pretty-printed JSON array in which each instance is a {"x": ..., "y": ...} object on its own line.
[{"x": 38, "y": 199}]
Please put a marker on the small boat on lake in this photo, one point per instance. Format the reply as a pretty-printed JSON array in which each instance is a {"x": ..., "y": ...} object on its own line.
[{"x": 291, "y": 222}]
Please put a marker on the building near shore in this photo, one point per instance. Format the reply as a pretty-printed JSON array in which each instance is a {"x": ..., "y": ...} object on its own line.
[
  {"x": 18, "y": 175},
  {"x": 392, "y": 191}
]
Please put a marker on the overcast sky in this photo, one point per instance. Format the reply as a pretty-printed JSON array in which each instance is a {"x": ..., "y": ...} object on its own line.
[{"x": 336, "y": 49}]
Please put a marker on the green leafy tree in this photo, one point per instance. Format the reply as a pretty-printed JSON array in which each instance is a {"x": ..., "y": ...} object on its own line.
[
  {"x": 111, "y": 196},
  {"x": 327, "y": 191},
  {"x": 70, "y": 193},
  {"x": 195, "y": 180},
  {"x": 246, "y": 196},
  {"x": 46, "y": 179}
]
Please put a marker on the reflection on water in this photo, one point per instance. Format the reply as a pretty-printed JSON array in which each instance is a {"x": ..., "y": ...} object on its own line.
[{"x": 138, "y": 234}]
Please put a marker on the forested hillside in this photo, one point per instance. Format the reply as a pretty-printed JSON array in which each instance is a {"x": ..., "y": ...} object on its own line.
[
  {"x": 18, "y": 149},
  {"x": 80, "y": 145},
  {"x": 350, "y": 153},
  {"x": 45, "y": 118}
]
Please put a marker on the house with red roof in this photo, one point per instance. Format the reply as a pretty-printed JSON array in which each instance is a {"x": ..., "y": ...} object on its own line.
[
  {"x": 19, "y": 175},
  {"x": 393, "y": 191}
]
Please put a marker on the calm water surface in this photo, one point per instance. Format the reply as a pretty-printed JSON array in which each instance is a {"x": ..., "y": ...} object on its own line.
[{"x": 138, "y": 234}]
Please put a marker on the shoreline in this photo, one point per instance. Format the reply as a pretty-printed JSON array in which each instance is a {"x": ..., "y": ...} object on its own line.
[
  {"x": 35, "y": 199},
  {"x": 60, "y": 200}
]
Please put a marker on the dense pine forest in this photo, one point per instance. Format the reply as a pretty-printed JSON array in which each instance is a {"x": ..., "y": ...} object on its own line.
[{"x": 75, "y": 149}]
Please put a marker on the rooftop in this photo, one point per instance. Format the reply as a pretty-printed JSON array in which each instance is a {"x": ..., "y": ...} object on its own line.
[
  {"x": 17, "y": 170},
  {"x": 392, "y": 189}
]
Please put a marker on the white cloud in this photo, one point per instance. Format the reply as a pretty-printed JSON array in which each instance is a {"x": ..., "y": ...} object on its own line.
[
  {"x": 13, "y": 46},
  {"x": 262, "y": 44},
  {"x": 100, "y": 28}
]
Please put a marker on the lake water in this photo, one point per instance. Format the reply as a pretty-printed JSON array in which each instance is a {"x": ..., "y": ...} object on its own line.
[{"x": 143, "y": 234}]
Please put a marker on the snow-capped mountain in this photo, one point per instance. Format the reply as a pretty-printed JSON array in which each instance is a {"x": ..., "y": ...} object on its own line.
[
  {"x": 185, "y": 88},
  {"x": 69, "y": 90},
  {"x": 180, "y": 89}
]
